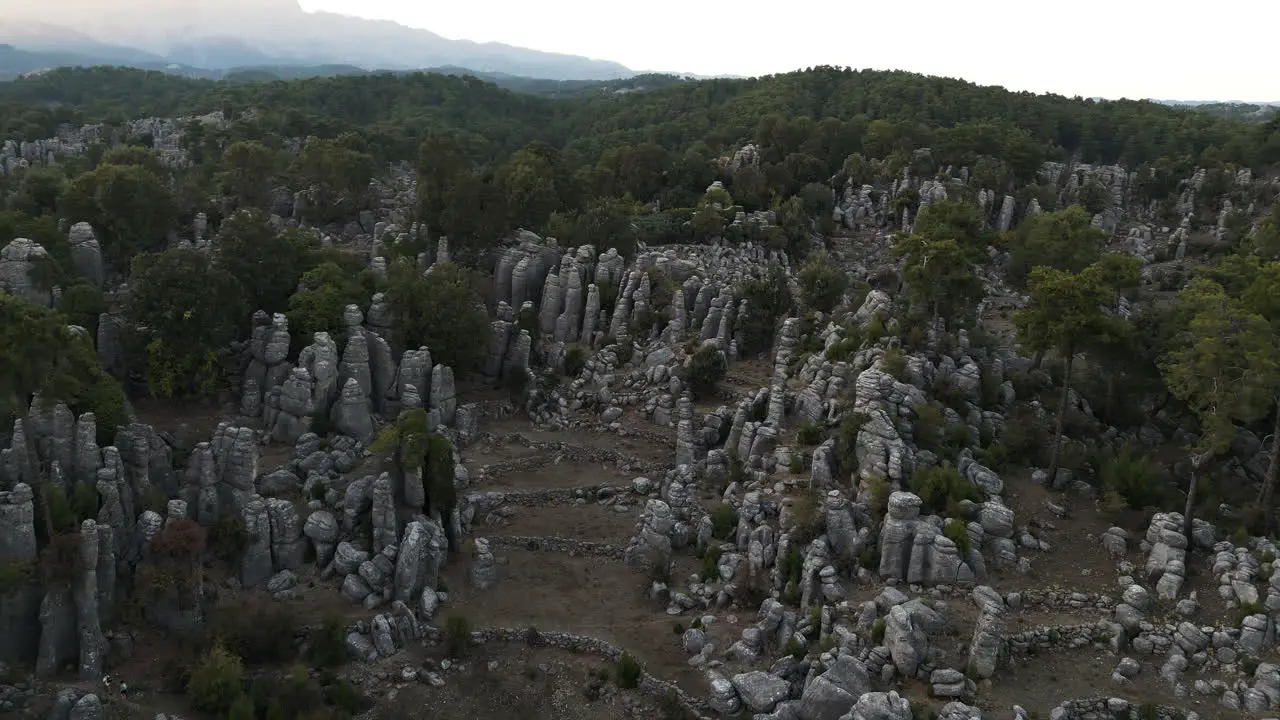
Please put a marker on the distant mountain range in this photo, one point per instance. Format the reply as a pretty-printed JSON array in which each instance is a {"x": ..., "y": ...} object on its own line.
[{"x": 219, "y": 35}]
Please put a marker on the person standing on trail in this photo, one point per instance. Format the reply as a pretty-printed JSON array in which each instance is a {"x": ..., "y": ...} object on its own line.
[
  {"x": 106, "y": 683},
  {"x": 124, "y": 690}
]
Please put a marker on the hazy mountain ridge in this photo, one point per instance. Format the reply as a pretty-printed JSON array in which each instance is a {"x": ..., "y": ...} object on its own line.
[{"x": 237, "y": 34}]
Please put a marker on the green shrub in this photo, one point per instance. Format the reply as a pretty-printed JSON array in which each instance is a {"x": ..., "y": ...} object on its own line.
[
  {"x": 796, "y": 464},
  {"x": 955, "y": 531},
  {"x": 215, "y": 683},
  {"x": 1135, "y": 477},
  {"x": 894, "y": 362},
  {"x": 257, "y": 631},
  {"x": 58, "y": 508},
  {"x": 242, "y": 709},
  {"x": 575, "y": 360},
  {"x": 791, "y": 594},
  {"x": 724, "y": 521},
  {"x": 846, "y": 436},
  {"x": 230, "y": 538},
  {"x": 808, "y": 518},
  {"x": 941, "y": 488},
  {"x": 707, "y": 368},
  {"x": 275, "y": 711},
  {"x": 930, "y": 422},
  {"x": 878, "y": 492},
  {"x": 457, "y": 635},
  {"x": 711, "y": 563},
  {"x": 793, "y": 564},
  {"x": 809, "y": 434},
  {"x": 795, "y": 648},
  {"x": 15, "y": 574},
  {"x": 877, "y": 631},
  {"x": 84, "y": 501},
  {"x": 868, "y": 559},
  {"x": 329, "y": 642},
  {"x": 345, "y": 698},
  {"x": 822, "y": 283},
  {"x": 627, "y": 672}
]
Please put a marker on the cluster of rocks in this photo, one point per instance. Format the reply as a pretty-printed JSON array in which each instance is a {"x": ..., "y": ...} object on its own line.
[{"x": 349, "y": 390}]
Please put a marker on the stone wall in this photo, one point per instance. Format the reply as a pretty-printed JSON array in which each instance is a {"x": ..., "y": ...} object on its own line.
[{"x": 592, "y": 646}]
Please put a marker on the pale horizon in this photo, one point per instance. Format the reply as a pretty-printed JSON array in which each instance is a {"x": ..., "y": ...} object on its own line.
[{"x": 1178, "y": 52}]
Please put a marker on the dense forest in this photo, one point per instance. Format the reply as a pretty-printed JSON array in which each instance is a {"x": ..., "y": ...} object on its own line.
[
  {"x": 611, "y": 169},
  {"x": 1104, "y": 277}
]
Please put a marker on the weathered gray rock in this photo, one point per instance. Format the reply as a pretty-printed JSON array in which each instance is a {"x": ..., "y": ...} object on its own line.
[
  {"x": 17, "y": 524},
  {"x": 835, "y": 691},
  {"x": 86, "y": 253},
  {"x": 385, "y": 526},
  {"x": 255, "y": 563},
  {"x": 18, "y": 274},
  {"x": 85, "y": 594},
  {"x": 484, "y": 567},
  {"x": 984, "y": 650},
  {"x": 288, "y": 547},
  {"x": 443, "y": 393},
  {"x": 760, "y": 691},
  {"x": 352, "y": 415}
]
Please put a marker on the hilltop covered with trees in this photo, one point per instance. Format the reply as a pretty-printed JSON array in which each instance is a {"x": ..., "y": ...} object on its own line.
[{"x": 1123, "y": 257}]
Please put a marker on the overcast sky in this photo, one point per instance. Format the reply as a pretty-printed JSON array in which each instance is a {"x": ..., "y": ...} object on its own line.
[{"x": 1163, "y": 49}]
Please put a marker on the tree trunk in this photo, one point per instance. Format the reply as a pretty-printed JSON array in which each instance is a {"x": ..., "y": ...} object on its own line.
[
  {"x": 1057, "y": 422},
  {"x": 1269, "y": 482},
  {"x": 1191, "y": 501}
]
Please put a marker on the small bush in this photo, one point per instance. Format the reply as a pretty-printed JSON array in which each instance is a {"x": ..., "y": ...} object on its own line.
[
  {"x": 15, "y": 574},
  {"x": 793, "y": 564},
  {"x": 58, "y": 508},
  {"x": 877, "y": 631},
  {"x": 258, "y": 631},
  {"x": 215, "y": 683},
  {"x": 868, "y": 559},
  {"x": 1134, "y": 477},
  {"x": 707, "y": 368},
  {"x": 822, "y": 283},
  {"x": 229, "y": 538},
  {"x": 329, "y": 642},
  {"x": 298, "y": 692},
  {"x": 457, "y": 635},
  {"x": 84, "y": 501},
  {"x": 724, "y": 521},
  {"x": 157, "y": 502},
  {"x": 242, "y": 709},
  {"x": 275, "y": 711},
  {"x": 878, "y": 492},
  {"x": 846, "y": 436},
  {"x": 575, "y": 360},
  {"x": 894, "y": 363},
  {"x": 955, "y": 531},
  {"x": 345, "y": 698},
  {"x": 796, "y": 464},
  {"x": 942, "y": 487},
  {"x": 795, "y": 648},
  {"x": 627, "y": 672},
  {"x": 791, "y": 594},
  {"x": 808, "y": 518},
  {"x": 711, "y": 563},
  {"x": 809, "y": 434}
]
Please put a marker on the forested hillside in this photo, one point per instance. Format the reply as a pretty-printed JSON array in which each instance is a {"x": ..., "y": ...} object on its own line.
[{"x": 905, "y": 335}]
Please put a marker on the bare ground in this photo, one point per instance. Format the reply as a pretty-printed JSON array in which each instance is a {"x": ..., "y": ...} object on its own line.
[
  {"x": 581, "y": 595},
  {"x": 515, "y": 682},
  {"x": 589, "y": 521}
]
